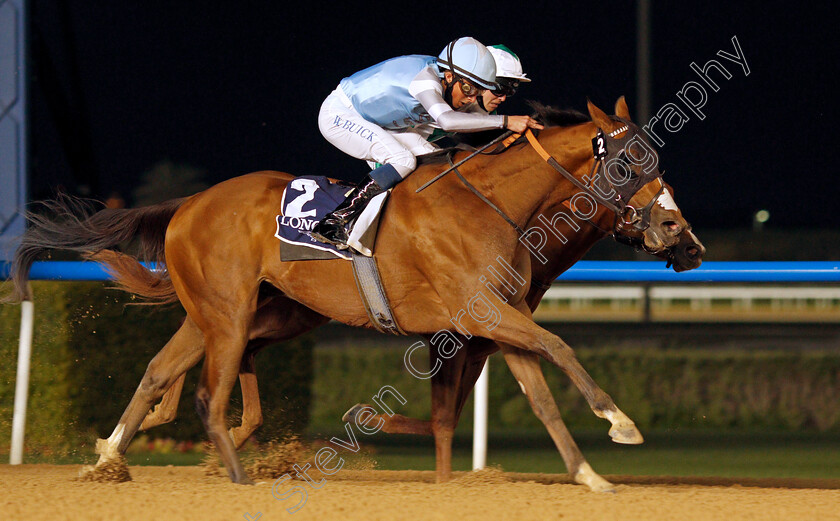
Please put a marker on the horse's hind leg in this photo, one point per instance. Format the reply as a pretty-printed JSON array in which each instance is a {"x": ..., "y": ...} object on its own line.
[
  {"x": 182, "y": 351},
  {"x": 279, "y": 320},
  {"x": 525, "y": 367},
  {"x": 167, "y": 409},
  {"x": 225, "y": 347},
  {"x": 251, "y": 409}
]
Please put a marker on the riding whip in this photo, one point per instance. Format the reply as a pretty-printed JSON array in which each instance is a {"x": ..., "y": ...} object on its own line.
[{"x": 461, "y": 162}]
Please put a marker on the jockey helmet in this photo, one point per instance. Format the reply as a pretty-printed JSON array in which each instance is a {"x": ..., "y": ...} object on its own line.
[
  {"x": 468, "y": 58},
  {"x": 507, "y": 63}
]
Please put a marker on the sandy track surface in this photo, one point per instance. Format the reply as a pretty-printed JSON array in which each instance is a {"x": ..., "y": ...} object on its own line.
[{"x": 36, "y": 492}]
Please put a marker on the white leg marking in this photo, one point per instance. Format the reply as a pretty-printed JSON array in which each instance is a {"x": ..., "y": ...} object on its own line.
[
  {"x": 586, "y": 476},
  {"x": 116, "y": 437},
  {"x": 107, "y": 449},
  {"x": 623, "y": 429},
  {"x": 615, "y": 416}
]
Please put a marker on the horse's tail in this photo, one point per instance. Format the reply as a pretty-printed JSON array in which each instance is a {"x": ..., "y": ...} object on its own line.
[
  {"x": 75, "y": 225},
  {"x": 131, "y": 276}
]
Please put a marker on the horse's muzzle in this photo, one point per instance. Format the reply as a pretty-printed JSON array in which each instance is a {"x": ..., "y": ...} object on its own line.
[{"x": 688, "y": 253}]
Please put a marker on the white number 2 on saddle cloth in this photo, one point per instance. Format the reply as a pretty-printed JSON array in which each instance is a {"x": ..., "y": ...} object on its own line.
[{"x": 295, "y": 207}]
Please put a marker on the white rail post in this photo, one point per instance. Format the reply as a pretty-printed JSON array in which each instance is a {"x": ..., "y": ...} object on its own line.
[
  {"x": 482, "y": 386},
  {"x": 27, "y": 324}
]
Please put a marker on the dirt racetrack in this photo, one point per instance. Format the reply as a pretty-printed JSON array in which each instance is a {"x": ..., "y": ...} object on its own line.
[{"x": 36, "y": 492}]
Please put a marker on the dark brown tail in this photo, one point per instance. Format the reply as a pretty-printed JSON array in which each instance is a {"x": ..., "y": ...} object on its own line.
[
  {"x": 153, "y": 286},
  {"x": 75, "y": 225}
]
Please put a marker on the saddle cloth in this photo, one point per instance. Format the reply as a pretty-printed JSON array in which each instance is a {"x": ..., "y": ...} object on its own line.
[{"x": 308, "y": 199}]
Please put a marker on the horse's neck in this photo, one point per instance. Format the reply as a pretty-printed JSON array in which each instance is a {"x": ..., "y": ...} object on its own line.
[
  {"x": 579, "y": 238},
  {"x": 524, "y": 185},
  {"x": 536, "y": 195}
]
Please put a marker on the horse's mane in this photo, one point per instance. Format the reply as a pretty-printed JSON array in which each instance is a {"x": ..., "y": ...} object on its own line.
[{"x": 555, "y": 117}]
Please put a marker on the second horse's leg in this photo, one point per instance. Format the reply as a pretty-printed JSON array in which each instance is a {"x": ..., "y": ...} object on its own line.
[
  {"x": 279, "y": 320},
  {"x": 450, "y": 389}
]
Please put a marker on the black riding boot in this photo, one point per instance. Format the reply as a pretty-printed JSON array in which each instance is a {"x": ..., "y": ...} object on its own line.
[{"x": 335, "y": 227}]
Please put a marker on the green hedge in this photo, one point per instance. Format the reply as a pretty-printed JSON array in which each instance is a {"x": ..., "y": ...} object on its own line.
[
  {"x": 659, "y": 389},
  {"x": 90, "y": 351}
]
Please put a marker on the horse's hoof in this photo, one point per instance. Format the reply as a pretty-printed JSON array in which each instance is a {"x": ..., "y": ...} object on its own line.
[
  {"x": 586, "y": 476},
  {"x": 111, "y": 471},
  {"x": 244, "y": 481},
  {"x": 351, "y": 413},
  {"x": 626, "y": 434}
]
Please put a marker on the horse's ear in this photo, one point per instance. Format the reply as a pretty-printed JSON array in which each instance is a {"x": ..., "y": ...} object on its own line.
[
  {"x": 621, "y": 109},
  {"x": 599, "y": 117}
]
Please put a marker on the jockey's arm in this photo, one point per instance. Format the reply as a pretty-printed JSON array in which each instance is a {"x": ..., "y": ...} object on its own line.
[{"x": 426, "y": 88}]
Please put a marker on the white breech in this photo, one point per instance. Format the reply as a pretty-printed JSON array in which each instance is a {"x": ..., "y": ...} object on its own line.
[{"x": 345, "y": 128}]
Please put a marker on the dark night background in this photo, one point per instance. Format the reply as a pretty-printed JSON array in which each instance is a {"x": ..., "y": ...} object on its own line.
[{"x": 235, "y": 87}]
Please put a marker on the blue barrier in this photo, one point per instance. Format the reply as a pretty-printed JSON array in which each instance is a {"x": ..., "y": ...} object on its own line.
[
  {"x": 583, "y": 271},
  {"x": 746, "y": 271},
  {"x": 62, "y": 270}
]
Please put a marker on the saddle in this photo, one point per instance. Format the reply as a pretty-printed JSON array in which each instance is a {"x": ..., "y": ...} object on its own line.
[{"x": 306, "y": 201}]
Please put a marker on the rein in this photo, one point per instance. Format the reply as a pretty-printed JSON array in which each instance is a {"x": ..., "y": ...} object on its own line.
[
  {"x": 629, "y": 215},
  {"x": 481, "y": 196},
  {"x": 461, "y": 162},
  {"x": 532, "y": 139},
  {"x": 626, "y": 215}
]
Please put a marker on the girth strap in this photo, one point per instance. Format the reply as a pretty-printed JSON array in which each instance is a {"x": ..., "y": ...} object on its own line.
[{"x": 373, "y": 295}]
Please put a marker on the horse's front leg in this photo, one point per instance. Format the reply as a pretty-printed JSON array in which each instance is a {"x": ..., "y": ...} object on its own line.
[
  {"x": 514, "y": 326},
  {"x": 525, "y": 367},
  {"x": 446, "y": 393}
]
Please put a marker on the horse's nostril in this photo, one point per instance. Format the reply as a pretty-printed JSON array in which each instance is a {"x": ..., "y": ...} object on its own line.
[
  {"x": 671, "y": 227},
  {"x": 692, "y": 252}
]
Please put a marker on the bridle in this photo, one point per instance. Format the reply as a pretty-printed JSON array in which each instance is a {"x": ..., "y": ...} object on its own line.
[
  {"x": 630, "y": 222},
  {"x": 609, "y": 150}
]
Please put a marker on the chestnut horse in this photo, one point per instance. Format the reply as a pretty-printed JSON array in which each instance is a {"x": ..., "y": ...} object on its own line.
[
  {"x": 220, "y": 287},
  {"x": 453, "y": 383}
]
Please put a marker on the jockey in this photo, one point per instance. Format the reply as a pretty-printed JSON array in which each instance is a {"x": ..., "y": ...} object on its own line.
[
  {"x": 386, "y": 112},
  {"x": 508, "y": 77}
]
